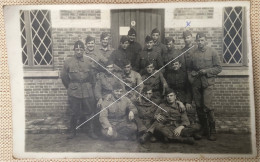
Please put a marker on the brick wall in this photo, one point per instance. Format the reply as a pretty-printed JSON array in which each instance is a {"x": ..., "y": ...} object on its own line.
[
  {"x": 194, "y": 13},
  {"x": 80, "y": 14}
]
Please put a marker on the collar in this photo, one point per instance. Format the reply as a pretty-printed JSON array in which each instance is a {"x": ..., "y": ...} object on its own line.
[
  {"x": 174, "y": 105},
  {"x": 127, "y": 75},
  {"x": 105, "y": 49},
  {"x": 203, "y": 49},
  {"x": 80, "y": 59}
]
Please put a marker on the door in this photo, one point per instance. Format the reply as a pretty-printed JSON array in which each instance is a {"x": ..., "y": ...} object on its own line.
[{"x": 142, "y": 20}]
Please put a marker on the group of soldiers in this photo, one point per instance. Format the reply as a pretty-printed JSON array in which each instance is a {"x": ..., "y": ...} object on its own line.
[{"x": 152, "y": 93}]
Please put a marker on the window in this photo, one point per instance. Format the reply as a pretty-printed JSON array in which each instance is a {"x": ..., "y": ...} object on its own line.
[
  {"x": 233, "y": 37},
  {"x": 36, "y": 38}
]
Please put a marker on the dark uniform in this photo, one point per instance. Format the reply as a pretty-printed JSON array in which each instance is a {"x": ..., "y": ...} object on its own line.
[
  {"x": 116, "y": 116},
  {"x": 77, "y": 77},
  {"x": 158, "y": 46},
  {"x": 206, "y": 59}
]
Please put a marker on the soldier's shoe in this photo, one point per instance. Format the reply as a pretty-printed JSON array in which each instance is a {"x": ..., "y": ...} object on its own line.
[
  {"x": 121, "y": 137},
  {"x": 133, "y": 137},
  {"x": 153, "y": 139},
  {"x": 92, "y": 135},
  {"x": 197, "y": 136},
  {"x": 145, "y": 137},
  {"x": 186, "y": 140},
  {"x": 212, "y": 137}
]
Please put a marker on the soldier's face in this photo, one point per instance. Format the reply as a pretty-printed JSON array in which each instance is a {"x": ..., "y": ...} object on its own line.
[
  {"x": 110, "y": 68},
  {"x": 149, "y": 44},
  {"x": 201, "y": 42},
  {"x": 188, "y": 40},
  {"x": 148, "y": 94},
  {"x": 176, "y": 65},
  {"x": 90, "y": 45},
  {"x": 127, "y": 69},
  {"x": 155, "y": 37},
  {"x": 124, "y": 45},
  {"x": 171, "y": 97},
  {"x": 131, "y": 37},
  {"x": 170, "y": 45},
  {"x": 150, "y": 69},
  {"x": 104, "y": 41},
  {"x": 117, "y": 93},
  {"x": 79, "y": 52}
]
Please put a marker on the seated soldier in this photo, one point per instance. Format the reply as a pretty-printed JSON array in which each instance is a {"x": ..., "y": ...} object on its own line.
[
  {"x": 149, "y": 54},
  {"x": 103, "y": 86},
  {"x": 132, "y": 79},
  {"x": 117, "y": 119},
  {"x": 172, "y": 125},
  {"x": 146, "y": 110},
  {"x": 157, "y": 81}
]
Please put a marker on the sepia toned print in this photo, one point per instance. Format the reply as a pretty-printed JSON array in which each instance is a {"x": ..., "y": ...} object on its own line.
[{"x": 168, "y": 78}]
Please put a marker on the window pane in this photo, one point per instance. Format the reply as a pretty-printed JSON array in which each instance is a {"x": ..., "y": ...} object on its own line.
[{"x": 23, "y": 39}]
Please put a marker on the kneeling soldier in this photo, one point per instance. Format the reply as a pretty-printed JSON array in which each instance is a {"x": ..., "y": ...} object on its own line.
[{"x": 117, "y": 120}]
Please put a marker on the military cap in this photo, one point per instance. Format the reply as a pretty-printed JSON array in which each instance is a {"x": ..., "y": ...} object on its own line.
[
  {"x": 147, "y": 63},
  {"x": 103, "y": 35},
  {"x": 186, "y": 33},
  {"x": 89, "y": 38},
  {"x": 168, "y": 91},
  {"x": 132, "y": 31},
  {"x": 168, "y": 40},
  {"x": 79, "y": 44},
  {"x": 147, "y": 88},
  {"x": 200, "y": 35},
  {"x": 126, "y": 62},
  {"x": 155, "y": 30},
  {"x": 117, "y": 85},
  {"x": 108, "y": 62},
  {"x": 124, "y": 39},
  {"x": 148, "y": 38}
]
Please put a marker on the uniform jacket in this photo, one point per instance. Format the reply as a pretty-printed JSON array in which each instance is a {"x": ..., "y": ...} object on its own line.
[
  {"x": 119, "y": 55},
  {"x": 173, "y": 116},
  {"x": 77, "y": 77},
  {"x": 151, "y": 56},
  {"x": 105, "y": 52},
  {"x": 116, "y": 113},
  {"x": 132, "y": 80},
  {"x": 187, "y": 57},
  {"x": 134, "y": 48},
  {"x": 146, "y": 109},
  {"x": 178, "y": 81},
  {"x": 160, "y": 48},
  {"x": 156, "y": 81},
  {"x": 171, "y": 55},
  {"x": 104, "y": 83}
]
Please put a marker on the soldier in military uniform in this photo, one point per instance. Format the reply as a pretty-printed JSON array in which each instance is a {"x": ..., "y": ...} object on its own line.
[
  {"x": 118, "y": 120},
  {"x": 149, "y": 54},
  {"x": 104, "y": 49},
  {"x": 121, "y": 54},
  {"x": 157, "y": 81},
  {"x": 205, "y": 66},
  {"x": 105, "y": 80},
  {"x": 172, "y": 125},
  {"x": 158, "y": 46},
  {"x": 132, "y": 79},
  {"x": 134, "y": 48},
  {"x": 76, "y": 76}
]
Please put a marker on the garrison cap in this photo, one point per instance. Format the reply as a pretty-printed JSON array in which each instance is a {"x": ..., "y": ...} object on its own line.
[
  {"x": 132, "y": 31},
  {"x": 79, "y": 44},
  {"x": 126, "y": 62},
  {"x": 108, "y": 62},
  {"x": 148, "y": 38},
  {"x": 89, "y": 38},
  {"x": 117, "y": 85},
  {"x": 186, "y": 33},
  {"x": 200, "y": 35},
  {"x": 124, "y": 39},
  {"x": 168, "y": 91},
  {"x": 147, "y": 63},
  {"x": 147, "y": 88},
  {"x": 104, "y": 35},
  {"x": 155, "y": 30},
  {"x": 168, "y": 40}
]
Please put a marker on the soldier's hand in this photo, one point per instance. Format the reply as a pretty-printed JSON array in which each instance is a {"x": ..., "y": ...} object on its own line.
[
  {"x": 202, "y": 72},
  {"x": 109, "y": 97},
  {"x": 159, "y": 118},
  {"x": 177, "y": 131},
  {"x": 110, "y": 131},
  {"x": 181, "y": 106},
  {"x": 188, "y": 107},
  {"x": 131, "y": 115},
  {"x": 99, "y": 103}
]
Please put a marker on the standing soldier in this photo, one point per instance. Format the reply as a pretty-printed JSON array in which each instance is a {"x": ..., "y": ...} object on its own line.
[
  {"x": 132, "y": 79},
  {"x": 77, "y": 78},
  {"x": 158, "y": 46},
  {"x": 205, "y": 66},
  {"x": 157, "y": 81},
  {"x": 149, "y": 54},
  {"x": 134, "y": 47},
  {"x": 118, "y": 120},
  {"x": 105, "y": 50}
]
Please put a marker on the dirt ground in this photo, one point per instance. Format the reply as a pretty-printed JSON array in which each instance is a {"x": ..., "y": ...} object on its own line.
[{"x": 226, "y": 143}]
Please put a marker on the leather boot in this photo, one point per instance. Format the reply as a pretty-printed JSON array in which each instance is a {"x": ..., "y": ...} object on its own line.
[
  {"x": 212, "y": 135},
  {"x": 73, "y": 131},
  {"x": 92, "y": 132},
  {"x": 145, "y": 137},
  {"x": 186, "y": 140}
]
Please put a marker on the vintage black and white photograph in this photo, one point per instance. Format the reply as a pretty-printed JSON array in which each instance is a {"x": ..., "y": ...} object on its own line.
[{"x": 131, "y": 80}]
